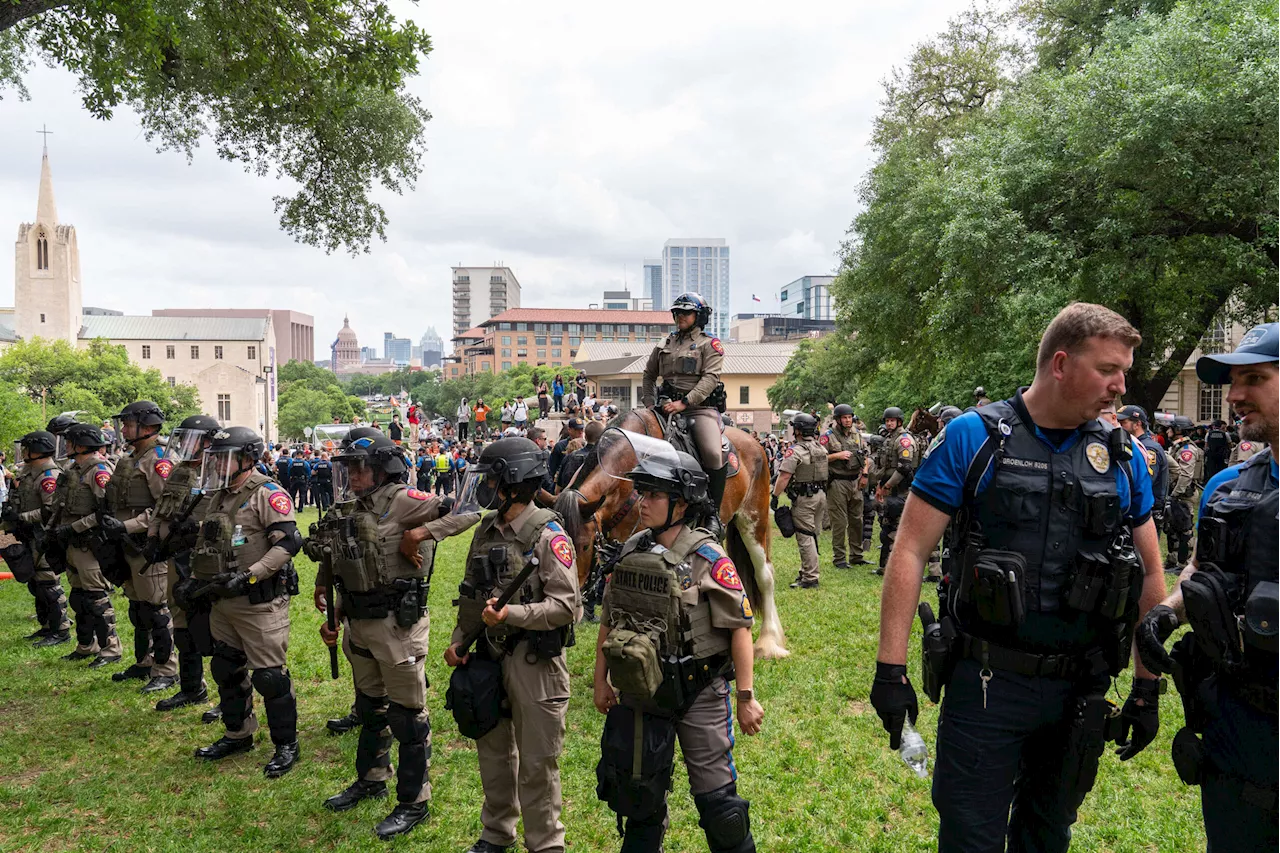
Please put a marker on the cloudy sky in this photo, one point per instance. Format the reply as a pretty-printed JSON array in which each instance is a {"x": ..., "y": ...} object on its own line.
[{"x": 568, "y": 141}]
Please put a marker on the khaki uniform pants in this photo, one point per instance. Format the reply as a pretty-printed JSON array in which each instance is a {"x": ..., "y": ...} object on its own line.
[
  {"x": 520, "y": 759},
  {"x": 387, "y": 663},
  {"x": 844, "y": 502},
  {"x": 86, "y": 575},
  {"x": 704, "y": 429},
  {"x": 706, "y": 739},
  {"x": 807, "y": 511},
  {"x": 261, "y": 631}
]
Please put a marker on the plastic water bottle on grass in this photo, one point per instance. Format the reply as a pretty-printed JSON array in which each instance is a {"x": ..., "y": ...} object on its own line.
[{"x": 913, "y": 750}]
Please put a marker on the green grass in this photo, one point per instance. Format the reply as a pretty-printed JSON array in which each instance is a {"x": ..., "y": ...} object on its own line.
[{"x": 87, "y": 764}]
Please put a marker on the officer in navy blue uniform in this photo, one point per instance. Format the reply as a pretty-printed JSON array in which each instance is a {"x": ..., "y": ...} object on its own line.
[
  {"x": 1042, "y": 590},
  {"x": 1226, "y": 668},
  {"x": 1134, "y": 421},
  {"x": 299, "y": 479},
  {"x": 322, "y": 483}
]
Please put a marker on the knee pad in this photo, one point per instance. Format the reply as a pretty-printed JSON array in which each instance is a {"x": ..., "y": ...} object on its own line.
[
  {"x": 408, "y": 725},
  {"x": 371, "y": 710},
  {"x": 76, "y": 601},
  {"x": 272, "y": 682},
  {"x": 227, "y": 660},
  {"x": 725, "y": 818},
  {"x": 99, "y": 602}
]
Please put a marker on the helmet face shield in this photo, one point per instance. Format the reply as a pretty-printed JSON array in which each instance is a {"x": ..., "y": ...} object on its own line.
[
  {"x": 353, "y": 476},
  {"x": 219, "y": 466},
  {"x": 476, "y": 493},
  {"x": 63, "y": 450},
  {"x": 187, "y": 445},
  {"x": 621, "y": 452}
]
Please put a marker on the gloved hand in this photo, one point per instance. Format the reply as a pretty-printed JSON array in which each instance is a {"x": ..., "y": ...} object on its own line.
[
  {"x": 446, "y": 504},
  {"x": 112, "y": 527},
  {"x": 1139, "y": 718},
  {"x": 1151, "y": 635},
  {"x": 151, "y": 551},
  {"x": 188, "y": 529},
  {"x": 234, "y": 583},
  {"x": 773, "y": 502},
  {"x": 894, "y": 699},
  {"x": 9, "y": 514},
  {"x": 63, "y": 534}
]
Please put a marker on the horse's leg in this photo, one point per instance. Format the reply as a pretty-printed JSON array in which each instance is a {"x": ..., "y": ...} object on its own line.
[{"x": 754, "y": 529}]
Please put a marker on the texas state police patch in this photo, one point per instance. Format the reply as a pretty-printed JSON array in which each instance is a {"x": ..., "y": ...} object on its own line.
[
  {"x": 717, "y": 346},
  {"x": 101, "y": 478},
  {"x": 726, "y": 574},
  {"x": 163, "y": 468},
  {"x": 563, "y": 550},
  {"x": 49, "y": 485},
  {"x": 416, "y": 495},
  {"x": 279, "y": 501}
]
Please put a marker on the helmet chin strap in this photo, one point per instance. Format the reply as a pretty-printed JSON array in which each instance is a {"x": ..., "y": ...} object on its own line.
[{"x": 670, "y": 522}]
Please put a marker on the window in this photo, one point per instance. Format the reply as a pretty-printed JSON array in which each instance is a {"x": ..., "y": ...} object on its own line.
[
  {"x": 573, "y": 353},
  {"x": 555, "y": 353},
  {"x": 253, "y": 353},
  {"x": 784, "y": 296},
  {"x": 573, "y": 342},
  {"x": 724, "y": 251},
  {"x": 506, "y": 365},
  {"x": 542, "y": 354},
  {"x": 41, "y": 318},
  {"x": 799, "y": 307},
  {"x": 539, "y": 327},
  {"x": 42, "y": 252},
  {"x": 1210, "y": 403},
  {"x": 619, "y": 394},
  {"x": 224, "y": 407},
  {"x": 574, "y": 327},
  {"x": 169, "y": 351},
  {"x": 173, "y": 381},
  {"x": 522, "y": 353},
  {"x": 744, "y": 395},
  {"x": 195, "y": 352},
  {"x": 540, "y": 340},
  {"x": 506, "y": 353},
  {"x": 506, "y": 327},
  {"x": 146, "y": 351},
  {"x": 522, "y": 327},
  {"x": 484, "y": 366},
  {"x": 522, "y": 340},
  {"x": 1214, "y": 341},
  {"x": 217, "y": 352},
  {"x": 506, "y": 340},
  {"x": 589, "y": 329},
  {"x": 706, "y": 251},
  {"x": 609, "y": 339}
]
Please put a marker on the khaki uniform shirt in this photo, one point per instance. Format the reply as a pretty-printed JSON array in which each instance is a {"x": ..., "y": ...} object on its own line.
[
  {"x": 689, "y": 362},
  {"x": 836, "y": 440},
  {"x": 147, "y": 456},
  {"x": 267, "y": 505},
  {"x": 1245, "y": 449},
  {"x": 94, "y": 472},
  {"x": 557, "y": 570},
  {"x": 45, "y": 472},
  {"x": 1186, "y": 467},
  {"x": 800, "y": 453},
  {"x": 898, "y": 453}
]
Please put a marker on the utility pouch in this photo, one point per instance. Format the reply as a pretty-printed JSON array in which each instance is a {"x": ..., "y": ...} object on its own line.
[
  {"x": 688, "y": 365},
  {"x": 1207, "y": 597},
  {"x": 1091, "y": 579},
  {"x": 1101, "y": 514},
  {"x": 717, "y": 399},
  {"x": 937, "y": 653},
  {"x": 632, "y": 661},
  {"x": 1188, "y": 756},
  {"x": 786, "y": 525},
  {"x": 1261, "y": 613},
  {"x": 110, "y": 558},
  {"x": 673, "y": 693},
  {"x": 1191, "y": 668},
  {"x": 545, "y": 645},
  {"x": 20, "y": 561},
  {"x": 198, "y": 625},
  {"x": 993, "y": 584},
  {"x": 1212, "y": 538},
  {"x": 637, "y": 755},
  {"x": 1086, "y": 741},
  {"x": 475, "y": 696},
  {"x": 410, "y": 608}
]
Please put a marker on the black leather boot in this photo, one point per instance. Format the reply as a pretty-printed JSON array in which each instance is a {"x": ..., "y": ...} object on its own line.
[
  {"x": 282, "y": 762},
  {"x": 76, "y": 654},
  {"x": 57, "y": 638},
  {"x": 212, "y": 715},
  {"x": 354, "y": 793},
  {"x": 104, "y": 660},
  {"x": 142, "y": 673},
  {"x": 182, "y": 698},
  {"x": 404, "y": 817},
  {"x": 158, "y": 683},
  {"x": 482, "y": 846},
  {"x": 342, "y": 725},
  {"x": 224, "y": 747}
]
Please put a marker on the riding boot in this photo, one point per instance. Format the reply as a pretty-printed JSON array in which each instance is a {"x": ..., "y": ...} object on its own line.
[{"x": 716, "y": 478}]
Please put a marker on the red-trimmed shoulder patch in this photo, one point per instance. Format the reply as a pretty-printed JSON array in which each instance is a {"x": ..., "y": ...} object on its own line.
[
  {"x": 717, "y": 346},
  {"x": 824, "y": 440},
  {"x": 163, "y": 468},
  {"x": 101, "y": 478},
  {"x": 416, "y": 495},
  {"x": 904, "y": 440},
  {"x": 725, "y": 573},
  {"x": 49, "y": 485},
  {"x": 279, "y": 501},
  {"x": 1187, "y": 454},
  {"x": 789, "y": 453},
  {"x": 563, "y": 550},
  {"x": 1246, "y": 446}
]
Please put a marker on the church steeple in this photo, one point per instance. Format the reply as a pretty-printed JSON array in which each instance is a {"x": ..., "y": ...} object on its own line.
[{"x": 46, "y": 207}]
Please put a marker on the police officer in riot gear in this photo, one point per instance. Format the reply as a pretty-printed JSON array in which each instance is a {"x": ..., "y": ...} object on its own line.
[
  {"x": 519, "y": 756},
  {"x": 689, "y": 362},
  {"x": 1052, "y": 559},
  {"x": 1226, "y": 668},
  {"x": 674, "y": 630},
  {"x": 78, "y": 500},
  {"x": 381, "y": 559},
  {"x": 243, "y": 559},
  {"x": 1186, "y": 471},
  {"x": 299, "y": 479},
  {"x": 58, "y": 425},
  {"x": 1217, "y": 449},
  {"x": 171, "y": 535},
  {"x": 26, "y": 513},
  {"x": 846, "y": 453},
  {"x": 136, "y": 485},
  {"x": 322, "y": 483},
  {"x": 895, "y": 466},
  {"x": 802, "y": 477},
  {"x": 1134, "y": 421}
]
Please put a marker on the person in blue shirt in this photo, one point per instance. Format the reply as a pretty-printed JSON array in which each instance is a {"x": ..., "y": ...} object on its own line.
[
  {"x": 1134, "y": 421},
  {"x": 299, "y": 480},
  {"x": 282, "y": 466},
  {"x": 1226, "y": 668},
  {"x": 1051, "y": 559}
]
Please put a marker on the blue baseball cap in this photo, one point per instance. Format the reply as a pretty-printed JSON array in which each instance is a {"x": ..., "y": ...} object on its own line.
[
  {"x": 1132, "y": 413},
  {"x": 1260, "y": 345}
]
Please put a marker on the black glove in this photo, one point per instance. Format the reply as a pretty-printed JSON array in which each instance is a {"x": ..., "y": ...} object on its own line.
[
  {"x": 187, "y": 529},
  {"x": 773, "y": 502},
  {"x": 1139, "y": 723},
  {"x": 9, "y": 514},
  {"x": 894, "y": 699},
  {"x": 234, "y": 583},
  {"x": 1151, "y": 635},
  {"x": 112, "y": 527},
  {"x": 63, "y": 534},
  {"x": 182, "y": 591},
  {"x": 152, "y": 550},
  {"x": 446, "y": 504}
]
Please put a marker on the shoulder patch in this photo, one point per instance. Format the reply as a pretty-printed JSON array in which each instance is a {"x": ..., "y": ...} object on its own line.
[
  {"x": 101, "y": 477},
  {"x": 746, "y": 608},
  {"x": 163, "y": 468},
  {"x": 726, "y": 574},
  {"x": 789, "y": 453},
  {"x": 1098, "y": 456},
  {"x": 904, "y": 441},
  {"x": 271, "y": 487},
  {"x": 709, "y": 552},
  {"x": 936, "y": 443},
  {"x": 1246, "y": 446},
  {"x": 825, "y": 439},
  {"x": 280, "y": 502},
  {"x": 416, "y": 495},
  {"x": 563, "y": 550},
  {"x": 717, "y": 346},
  {"x": 49, "y": 485},
  {"x": 554, "y": 527},
  {"x": 1187, "y": 454}
]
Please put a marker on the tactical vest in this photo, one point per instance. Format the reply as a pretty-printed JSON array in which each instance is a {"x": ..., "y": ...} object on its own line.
[
  {"x": 837, "y": 441},
  {"x": 128, "y": 493},
  {"x": 1217, "y": 444},
  {"x": 680, "y": 364},
  {"x": 297, "y": 470},
  {"x": 1160, "y": 476},
  {"x": 75, "y": 498},
  {"x": 654, "y": 594},
  {"x": 365, "y": 559},
  {"x": 214, "y": 552},
  {"x": 890, "y": 452},
  {"x": 517, "y": 551},
  {"x": 815, "y": 470},
  {"x": 177, "y": 488},
  {"x": 29, "y": 496},
  {"x": 1061, "y": 514},
  {"x": 323, "y": 471}
]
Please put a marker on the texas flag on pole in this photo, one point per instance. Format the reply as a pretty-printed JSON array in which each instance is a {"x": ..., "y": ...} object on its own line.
[{"x": 755, "y": 298}]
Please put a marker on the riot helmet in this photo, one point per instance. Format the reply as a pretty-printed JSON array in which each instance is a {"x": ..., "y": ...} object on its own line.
[
  {"x": 142, "y": 413},
  {"x": 87, "y": 437},
  {"x": 805, "y": 425},
  {"x": 948, "y": 414},
  {"x": 37, "y": 444},
  {"x": 979, "y": 392},
  {"x": 506, "y": 462},
  {"x": 232, "y": 452},
  {"x": 690, "y": 302},
  {"x": 58, "y": 426},
  {"x": 841, "y": 411},
  {"x": 188, "y": 442},
  {"x": 363, "y": 464},
  {"x": 682, "y": 477}
]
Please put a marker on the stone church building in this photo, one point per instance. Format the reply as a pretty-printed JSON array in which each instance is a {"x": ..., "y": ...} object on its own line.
[{"x": 231, "y": 360}]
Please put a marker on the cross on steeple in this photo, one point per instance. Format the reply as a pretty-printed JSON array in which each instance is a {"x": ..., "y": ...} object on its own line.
[{"x": 44, "y": 129}]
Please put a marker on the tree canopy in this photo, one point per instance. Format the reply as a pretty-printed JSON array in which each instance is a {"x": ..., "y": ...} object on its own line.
[
  {"x": 313, "y": 92},
  {"x": 1128, "y": 157}
]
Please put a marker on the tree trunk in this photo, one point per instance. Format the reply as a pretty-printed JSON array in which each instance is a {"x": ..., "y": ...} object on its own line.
[
  {"x": 1159, "y": 375},
  {"x": 13, "y": 13}
]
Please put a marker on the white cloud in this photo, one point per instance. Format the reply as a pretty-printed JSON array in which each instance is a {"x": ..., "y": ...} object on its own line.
[{"x": 568, "y": 141}]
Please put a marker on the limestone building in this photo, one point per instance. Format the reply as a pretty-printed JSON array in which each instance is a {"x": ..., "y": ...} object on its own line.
[{"x": 345, "y": 349}]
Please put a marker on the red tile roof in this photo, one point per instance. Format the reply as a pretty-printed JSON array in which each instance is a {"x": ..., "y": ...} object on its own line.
[
  {"x": 579, "y": 315},
  {"x": 473, "y": 332}
]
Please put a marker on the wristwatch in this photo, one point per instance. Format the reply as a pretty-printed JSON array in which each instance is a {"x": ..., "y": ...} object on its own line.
[{"x": 746, "y": 695}]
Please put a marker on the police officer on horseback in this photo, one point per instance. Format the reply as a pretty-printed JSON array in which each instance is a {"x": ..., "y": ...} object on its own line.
[{"x": 690, "y": 362}]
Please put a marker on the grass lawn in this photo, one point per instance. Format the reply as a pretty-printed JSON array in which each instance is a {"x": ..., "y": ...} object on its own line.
[{"x": 88, "y": 764}]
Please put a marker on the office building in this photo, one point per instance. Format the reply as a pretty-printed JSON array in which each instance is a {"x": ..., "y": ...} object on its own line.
[
  {"x": 808, "y": 297},
  {"x": 621, "y": 300},
  {"x": 775, "y": 328},
  {"x": 480, "y": 293},
  {"x": 700, "y": 265},
  {"x": 396, "y": 350},
  {"x": 651, "y": 282}
]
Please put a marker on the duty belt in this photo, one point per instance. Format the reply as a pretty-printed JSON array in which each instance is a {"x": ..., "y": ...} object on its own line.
[
  {"x": 804, "y": 488},
  {"x": 834, "y": 476},
  {"x": 373, "y": 604},
  {"x": 1066, "y": 665}
]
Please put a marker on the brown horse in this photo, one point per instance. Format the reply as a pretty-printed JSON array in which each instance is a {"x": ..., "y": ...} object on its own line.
[{"x": 597, "y": 507}]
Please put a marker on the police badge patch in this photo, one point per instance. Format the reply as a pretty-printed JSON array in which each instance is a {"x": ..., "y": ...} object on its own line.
[
  {"x": 163, "y": 468},
  {"x": 563, "y": 550},
  {"x": 49, "y": 485},
  {"x": 280, "y": 502},
  {"x": 1098, "y": 457},
  {"x": 726, "y": 574},
  {"x": 717, "y": 346},
  {"x": 101, "y": 478},
  {"x": 1187, "y": 454},
  {"x": 416, "y": 495}
]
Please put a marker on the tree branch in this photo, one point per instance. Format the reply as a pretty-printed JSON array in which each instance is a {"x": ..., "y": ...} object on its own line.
[{"x": 12, "y": 13}]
